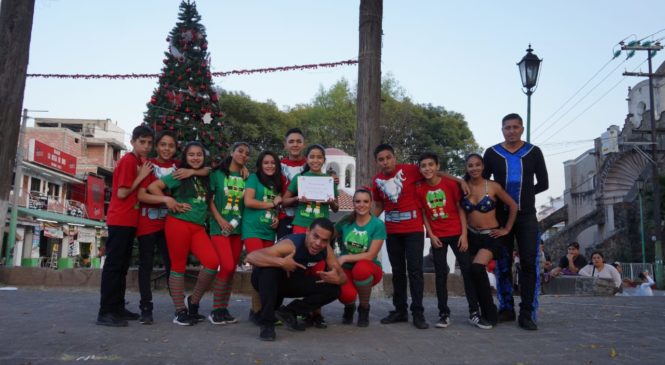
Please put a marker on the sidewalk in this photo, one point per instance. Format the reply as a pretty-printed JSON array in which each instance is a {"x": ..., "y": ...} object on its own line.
[{"x": 56, "y": 326}]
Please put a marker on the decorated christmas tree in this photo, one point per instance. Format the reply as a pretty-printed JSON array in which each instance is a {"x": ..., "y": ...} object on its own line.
[{"x": 185, "y": 101}]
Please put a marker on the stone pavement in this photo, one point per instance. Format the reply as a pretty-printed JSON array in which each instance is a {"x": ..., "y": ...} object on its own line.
[{"x": 56, "y": 326}]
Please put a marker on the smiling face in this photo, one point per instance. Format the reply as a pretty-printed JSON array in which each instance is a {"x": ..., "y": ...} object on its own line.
[
  {"x": 269, "y": 165},
  {"x": 362, "y": 203},
  {"x": 317, "y": 239},
  {"x": 315, "y": 160},
  {"x": 386, "y": 161},
  {"x": 475, "y": 167},
  {"x": 428, "y": 168},
  {"x": 240, "y": 155},
  {"x": 294, "y": 145},
  {"x": 512, "y": 130},
  {"x": 195, "y": 157},
  {"x": 166, "y": 148}
]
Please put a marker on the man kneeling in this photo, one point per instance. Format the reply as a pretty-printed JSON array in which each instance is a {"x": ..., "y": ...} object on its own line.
[{"x": 280, "y": 271}]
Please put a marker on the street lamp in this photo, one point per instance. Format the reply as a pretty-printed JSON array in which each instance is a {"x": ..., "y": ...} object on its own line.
[{"x": 529, "y": 67}]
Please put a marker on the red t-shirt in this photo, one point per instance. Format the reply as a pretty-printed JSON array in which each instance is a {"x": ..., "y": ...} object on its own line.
[
  {"x": 397, "y": 191},
  {"x": 153, "y": 216},
  {"x": 124, "y": 212},
  {"x": 440, "y": 204},
  {"x": 290, "y": 169}
]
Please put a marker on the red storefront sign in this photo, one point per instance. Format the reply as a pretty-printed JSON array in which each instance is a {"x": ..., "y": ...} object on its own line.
[
  {"x": 94, "y": 197},
  {"x": 46, "y": 155}
]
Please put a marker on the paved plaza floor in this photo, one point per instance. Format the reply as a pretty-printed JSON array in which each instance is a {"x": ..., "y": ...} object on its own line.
[{"x": 56, "y": 326}]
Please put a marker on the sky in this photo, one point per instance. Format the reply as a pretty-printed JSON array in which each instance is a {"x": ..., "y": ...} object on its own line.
[{"x": 461, "y": 55}]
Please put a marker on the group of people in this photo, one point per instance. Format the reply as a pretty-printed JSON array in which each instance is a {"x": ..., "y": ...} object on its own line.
[{"x": 182, "y": 206}]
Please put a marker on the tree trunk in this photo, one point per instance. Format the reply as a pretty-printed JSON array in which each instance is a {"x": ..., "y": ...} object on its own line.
[
  {"x": 15, "y": 32},
  {"x": 369, "y": 88}
]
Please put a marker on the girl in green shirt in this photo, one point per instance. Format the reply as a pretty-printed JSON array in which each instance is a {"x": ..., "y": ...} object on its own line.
[{"x": 226, "y": 208}]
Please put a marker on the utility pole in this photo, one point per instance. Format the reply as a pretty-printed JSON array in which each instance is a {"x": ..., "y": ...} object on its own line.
[
  {"x": 15, "y": 31},
  {"x": 369, "y": 88},
  {"x": 655, "y": 181}
]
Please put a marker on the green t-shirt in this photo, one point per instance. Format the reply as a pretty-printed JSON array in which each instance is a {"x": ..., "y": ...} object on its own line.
[
  {"x": 256, "y": 222},
  {"x": 228, "y": 197},
  {"x": 199, "y": 212},
  {"x": 356, "y": 239},
  {"x": 306, "y": 213}
]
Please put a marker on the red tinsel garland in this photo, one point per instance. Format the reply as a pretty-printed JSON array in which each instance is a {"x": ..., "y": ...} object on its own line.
[{"x": 216, "y": 74}]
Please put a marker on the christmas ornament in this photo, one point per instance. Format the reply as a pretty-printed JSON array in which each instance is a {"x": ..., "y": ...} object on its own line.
[{"x": 207, "y": 118}]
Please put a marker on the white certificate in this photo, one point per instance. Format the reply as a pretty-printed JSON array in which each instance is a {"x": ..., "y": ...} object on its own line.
[{"x": 318, "y": 188}]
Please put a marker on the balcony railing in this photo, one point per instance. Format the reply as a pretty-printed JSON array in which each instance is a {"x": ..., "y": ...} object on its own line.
[{"x": 51, "y": 204}]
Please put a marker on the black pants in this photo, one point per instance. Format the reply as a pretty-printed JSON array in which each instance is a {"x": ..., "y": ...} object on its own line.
[
  {"x": 147, "y": 245},
  {"x": 525, "y": 232},
  {"x": 441, "y": 271},
  {"x": 285, "y": 227},
  {"x": 273, "y": 286},
  {"x": 114, "y": 274},
  {"x": 405, "y": 252}
]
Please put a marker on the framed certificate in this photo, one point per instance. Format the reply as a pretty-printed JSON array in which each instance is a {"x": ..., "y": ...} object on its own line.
[{"x": 317, "y": 188}]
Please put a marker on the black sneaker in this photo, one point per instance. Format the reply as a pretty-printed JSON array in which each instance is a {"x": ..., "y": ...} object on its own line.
[
  {"x": 285, "y": 315},
  {"x": 347, "y": 317},
  {"x": 193, "y": 310},
  {"x": 127, "y": 315},
  {"x": 506, "y": 316},
  {"x": 109, "y": 319},
  {"x": 182, "y": 318},
  {"x": 363, "y": 316},
  {"x": 419, "y": 321},
  {"x": 316, "y": 320},
  {"x": 476, "y": 320},
  {"x": 221, "y": 316},
  {"x": 267, "y": 333},
  {"x": 527, "y": 323},
  {"x": 254, "y": 318},
  {"x": 444, "y": 321},
  {"x": 394, "y": 317},
  {"x": 146, "y": 316}
]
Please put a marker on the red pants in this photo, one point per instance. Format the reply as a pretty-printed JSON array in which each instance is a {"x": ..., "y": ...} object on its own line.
[
  {"x": 183, "y": 237},
  {"x": 228, "y": 250},
  {"x": 252, "y": 244},
  {"x": 299, "y": 229},
  {"x": 362, "y": 271}
]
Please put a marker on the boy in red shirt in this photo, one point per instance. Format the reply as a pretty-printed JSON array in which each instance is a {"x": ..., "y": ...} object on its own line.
[
  {"x": 291, "y": 165},
  {"x": 122, "y": 218}
]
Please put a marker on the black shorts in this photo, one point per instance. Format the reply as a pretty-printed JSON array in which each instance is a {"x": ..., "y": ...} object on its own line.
[{"x": 483, "y": 240}]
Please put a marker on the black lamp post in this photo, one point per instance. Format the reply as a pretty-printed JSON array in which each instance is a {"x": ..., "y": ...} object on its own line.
[{"x": 529, "y": 67}]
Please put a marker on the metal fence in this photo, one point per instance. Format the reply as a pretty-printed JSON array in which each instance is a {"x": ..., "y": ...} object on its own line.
[{"x": 630, "y": 270}]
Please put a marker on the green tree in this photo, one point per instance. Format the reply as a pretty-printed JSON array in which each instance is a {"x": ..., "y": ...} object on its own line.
[{"x": 184, "y": 100}]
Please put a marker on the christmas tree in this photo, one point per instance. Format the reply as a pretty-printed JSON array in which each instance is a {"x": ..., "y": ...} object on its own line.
[{"x": 185, "y": 101}]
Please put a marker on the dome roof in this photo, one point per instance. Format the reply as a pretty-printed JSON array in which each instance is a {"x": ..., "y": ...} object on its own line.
[{"x": 335, "y": 152}]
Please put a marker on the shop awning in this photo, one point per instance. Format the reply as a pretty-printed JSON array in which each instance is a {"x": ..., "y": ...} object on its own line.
[{"x": 60, "y": 218}]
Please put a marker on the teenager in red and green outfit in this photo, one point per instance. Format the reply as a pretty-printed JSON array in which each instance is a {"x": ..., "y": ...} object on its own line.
[
  {"x": 122, "y": 218},
  {"x": 226, "y": 208},
  {"x": 262, "y": 199},
  {"x": 308, "y": 210},
  {"x": 152, "y": 216},
  {"x": 185, "y": 232},
  {"x": 360, "y": 236},
  {"x": 291, "y": 165}
]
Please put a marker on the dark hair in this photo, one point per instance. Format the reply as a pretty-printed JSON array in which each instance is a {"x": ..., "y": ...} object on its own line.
[
  {"x": 511, "y": 116},
  {"x": 428, "y": 155},
  {"x": 142, "y": 131},
  {"x": 641, "y": 276},
  {"x": 311, "y": 148},
  {"x": 187, "y": 189},
  {"x": 599, "y": 254},
  {"x": 165, "y": 133},
  {"x": 468, "y": 157},
  {"x": 574, "y": 245},
  {"x": 324, "y": 223},
  {"x": 351, "y": 217},
  {"x": 226, "y": 162},
  {"x": 294, "y": 130},
  {"x": 383, "y": 147},
  {"x": 273, "y": 182}
]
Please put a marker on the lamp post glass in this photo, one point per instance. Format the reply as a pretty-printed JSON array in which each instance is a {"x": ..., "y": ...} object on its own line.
[{"x": 529, "y": 68}]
